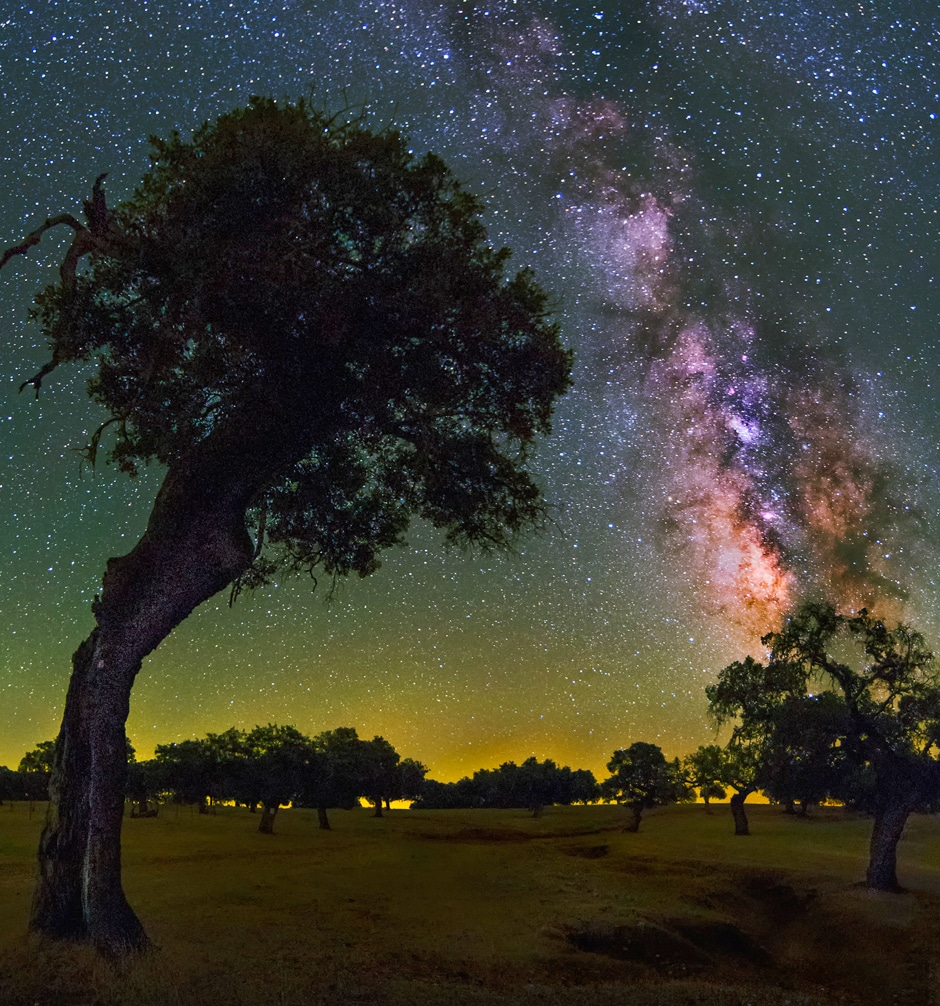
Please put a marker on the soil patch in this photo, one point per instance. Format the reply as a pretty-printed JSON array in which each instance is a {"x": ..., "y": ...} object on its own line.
[
  {"x": 674, "y": 948},
  {"x": 587, "y": 851}
]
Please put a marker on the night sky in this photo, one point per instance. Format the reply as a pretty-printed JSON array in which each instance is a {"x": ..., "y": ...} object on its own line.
[{"x": 735, "y": 204}]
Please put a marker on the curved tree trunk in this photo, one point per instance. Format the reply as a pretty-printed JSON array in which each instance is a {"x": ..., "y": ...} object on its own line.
[
  {"x": 195, "y": 545},
  {"x": 739, "y": 814},
  {"x": 323, "y": 819},
  {"x": 889, "y": 825}
]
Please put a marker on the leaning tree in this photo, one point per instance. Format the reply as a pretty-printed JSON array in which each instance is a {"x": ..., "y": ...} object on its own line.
[{"x": 303, "y": 324}]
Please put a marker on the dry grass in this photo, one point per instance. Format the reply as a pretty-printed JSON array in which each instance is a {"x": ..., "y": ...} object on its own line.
[{"x": 493, "y": 909}]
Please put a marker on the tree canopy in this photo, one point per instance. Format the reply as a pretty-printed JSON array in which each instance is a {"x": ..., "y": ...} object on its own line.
[
  {"x": 296, "y": 284},
  {"x": 642, "y": 778}
]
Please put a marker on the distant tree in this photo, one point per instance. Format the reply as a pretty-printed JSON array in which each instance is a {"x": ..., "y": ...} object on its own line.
[
  {"x": 743, "y": 763},
  {"x": 190, "y": 770},
  {"x": 145, "y": 783},
  {"x": 642, "y": 778},
  {"x": 35, "y": 768},
  {"x": 333, "y": 773},
  {"x": 533, "y": 785},
  {"x": 575, "y": 786},
  {"x": 411, "y": 779},
  {"x": 539, "y": 783},
  {"x": 231, "y": 774},
  {"x": 890, "y": 712},
  {"x": 705, "y": 770},
  {"x": 11, "y": 785},
  {"x": 304, "y": 325},
  {"x": 278, "y": 763},
  {"x": 379, "y": 776},
  {"x": 749, "y": 693},
  {"x": 39, "y": 759}
]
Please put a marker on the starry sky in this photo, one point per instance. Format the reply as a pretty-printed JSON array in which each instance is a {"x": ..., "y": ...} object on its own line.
[{"x": 735, "y": 205}]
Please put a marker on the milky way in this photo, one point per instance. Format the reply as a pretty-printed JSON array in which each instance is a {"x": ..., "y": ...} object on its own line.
[{"x": 734, "y": 206}]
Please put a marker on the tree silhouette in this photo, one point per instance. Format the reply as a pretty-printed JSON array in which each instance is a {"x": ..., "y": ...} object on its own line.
[
  {"x": 379, "y": 776},
  {"x": 705, "y": 770},
  {"x": 642, "y": 778},
  {"x": 805, "y": 760},
  {"x": 277, "y": 763},
  {"x": 303, "y": 324},
  {"x": 334, "y": 773},
  {"x": 884, "y": 714}
]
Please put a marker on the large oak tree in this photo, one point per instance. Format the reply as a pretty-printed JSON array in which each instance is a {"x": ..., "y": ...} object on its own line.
[{"x": 303, "y": 323}]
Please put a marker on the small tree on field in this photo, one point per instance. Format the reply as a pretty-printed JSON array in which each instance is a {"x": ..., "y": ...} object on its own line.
[
  {"x": 303, "y": 325},
  {"x": 642, "y": 778},
  {"x": 333, "y": 777},
  {"x": 742, "y": 773},
  {"x": 277, "y": 763},
  {"x": 411, "y": 779},
  {"x": 705, "y": 770},
  {"x": 379, "y": 776}
]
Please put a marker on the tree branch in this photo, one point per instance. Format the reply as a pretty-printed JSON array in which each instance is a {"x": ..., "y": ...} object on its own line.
[
  {"x": 35, "y": 236},
  {"x": 100, "y": 233}
]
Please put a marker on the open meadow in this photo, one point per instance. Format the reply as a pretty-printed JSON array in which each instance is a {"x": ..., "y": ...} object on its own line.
[{"x": 493, "y": 908}]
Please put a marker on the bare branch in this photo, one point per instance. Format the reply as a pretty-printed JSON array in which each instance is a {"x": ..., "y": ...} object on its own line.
[
  {"x": 36, "y": 236},
  {"x": 100, "y": 233},
  {"x": 36, "y": 379}
]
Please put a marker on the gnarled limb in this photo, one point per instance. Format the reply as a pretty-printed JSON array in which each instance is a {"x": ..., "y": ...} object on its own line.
[
  {"x": 34, "y": 237},
  {"x": 100, "y": 234}
]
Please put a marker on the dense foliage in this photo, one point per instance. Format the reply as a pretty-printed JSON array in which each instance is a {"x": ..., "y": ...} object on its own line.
[{"x": 532, "y": 785}]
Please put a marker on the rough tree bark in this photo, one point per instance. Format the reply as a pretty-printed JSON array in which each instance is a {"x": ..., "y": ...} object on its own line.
[
  {"x": 882, "y": 874},
  {"x": 739, "y": 814},
  {"x": 195, "y": 544}
]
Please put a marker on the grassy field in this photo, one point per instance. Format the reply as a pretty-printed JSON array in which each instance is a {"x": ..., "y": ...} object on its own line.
[{"x": 493, "y": 908}]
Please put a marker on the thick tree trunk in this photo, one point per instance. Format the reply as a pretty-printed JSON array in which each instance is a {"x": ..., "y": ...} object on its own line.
[
  {"x": 195, "y": 545},
  {"x": 739, "y": 814},
  {"x": 889, "y": 825},
  {"x": 636, "y": 814},
  {"x": 378, "y": 807},
  {"x": 323, "y": 819},
  {"x": 266, "y": 824}
]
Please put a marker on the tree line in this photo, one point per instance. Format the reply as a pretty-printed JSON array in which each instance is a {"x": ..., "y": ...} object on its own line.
[
  {"x": 264, "y": 769},
  {"x": 861, "y": 728}
]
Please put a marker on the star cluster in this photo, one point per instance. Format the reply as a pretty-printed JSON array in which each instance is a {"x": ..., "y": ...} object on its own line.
[{"x": 734, "y": 205}]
